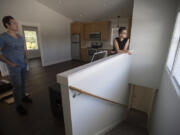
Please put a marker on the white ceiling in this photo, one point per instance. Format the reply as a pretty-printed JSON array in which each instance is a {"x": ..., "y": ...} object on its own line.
[{"x": 90, "y": 10}]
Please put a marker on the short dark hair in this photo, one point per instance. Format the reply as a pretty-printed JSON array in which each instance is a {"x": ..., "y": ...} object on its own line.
[
  {"x": 6, "y": 20},
  {"x": 121, "y": 29}
]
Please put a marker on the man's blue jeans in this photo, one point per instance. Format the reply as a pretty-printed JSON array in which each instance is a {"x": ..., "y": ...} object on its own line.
[{"x": 18, "y": 77}]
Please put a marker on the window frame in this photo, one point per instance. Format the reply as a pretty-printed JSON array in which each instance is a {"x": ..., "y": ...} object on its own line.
[
  {"x": 174, "y": 63},
  {"x": 31, "y": 28},
  {"x": 175, "y": 56}
]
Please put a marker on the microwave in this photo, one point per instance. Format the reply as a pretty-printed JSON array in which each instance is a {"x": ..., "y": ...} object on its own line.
[{"x": 95, "y": 36}]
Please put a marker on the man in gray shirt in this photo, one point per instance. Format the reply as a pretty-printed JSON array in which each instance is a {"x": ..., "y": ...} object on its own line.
[{"x": 14, "y": 55}]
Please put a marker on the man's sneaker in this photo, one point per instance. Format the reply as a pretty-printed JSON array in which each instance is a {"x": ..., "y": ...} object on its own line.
[
  {"x": 21, "y": 110},
  {"x": 27, "y": 100}
]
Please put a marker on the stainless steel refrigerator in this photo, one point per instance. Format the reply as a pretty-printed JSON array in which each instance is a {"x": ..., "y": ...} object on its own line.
[{"x": 75, "y": 46}]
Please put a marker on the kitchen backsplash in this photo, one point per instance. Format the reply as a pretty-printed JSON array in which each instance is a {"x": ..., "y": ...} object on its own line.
[{"x": 106, "y": 44}]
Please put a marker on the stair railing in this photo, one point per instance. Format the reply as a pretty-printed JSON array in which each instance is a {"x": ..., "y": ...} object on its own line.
[{"x": 93, "y": 95}]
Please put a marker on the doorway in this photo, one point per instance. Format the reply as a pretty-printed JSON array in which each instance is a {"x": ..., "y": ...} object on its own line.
[{"x": 32, "y": 43}]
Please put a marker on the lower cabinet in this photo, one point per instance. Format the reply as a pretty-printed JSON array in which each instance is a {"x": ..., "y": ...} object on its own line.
[{"x": 84, "y": 54}]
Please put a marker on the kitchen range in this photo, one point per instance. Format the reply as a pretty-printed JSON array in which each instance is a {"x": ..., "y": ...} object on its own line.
[{"x": 95, "y": 46}]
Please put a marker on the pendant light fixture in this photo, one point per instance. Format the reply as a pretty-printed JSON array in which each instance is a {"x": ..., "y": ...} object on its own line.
[{"x": 118, "y": 21}]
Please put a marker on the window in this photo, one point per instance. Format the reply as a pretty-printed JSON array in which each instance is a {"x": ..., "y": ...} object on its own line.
[
  {"x": 176, "y": 67},
  {"x": 114, "y": 34},
  {"x": 31, "y": 40},
  {"x": 173, "y": 62}
]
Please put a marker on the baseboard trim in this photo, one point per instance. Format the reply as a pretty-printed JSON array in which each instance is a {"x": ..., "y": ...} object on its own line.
[
  {"x": 108, "y": 128},
  {"x": 55, "y": 62}
]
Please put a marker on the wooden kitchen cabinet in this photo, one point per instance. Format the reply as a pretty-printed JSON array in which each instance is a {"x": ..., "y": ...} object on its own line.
[
  {"x": 103, "y": 27},
  {"x": 105, "y": 30},
  {"x": 84, "y": 54},
  {"x": 88, "y": 28},
  {"x": 76, "y": 28},
  {"x": 84, "y": 29}
]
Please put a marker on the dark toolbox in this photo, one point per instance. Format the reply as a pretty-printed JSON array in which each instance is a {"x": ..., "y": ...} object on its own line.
[{"x": 5, "y": 86}]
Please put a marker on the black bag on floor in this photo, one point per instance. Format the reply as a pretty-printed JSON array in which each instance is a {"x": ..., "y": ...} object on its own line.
[
  {"x": 5, "y": 86},
  {"x": 55, "y": 99}
]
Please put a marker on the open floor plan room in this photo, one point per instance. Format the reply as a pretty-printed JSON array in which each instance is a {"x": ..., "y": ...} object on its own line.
[{"x": 88, "y": 67}]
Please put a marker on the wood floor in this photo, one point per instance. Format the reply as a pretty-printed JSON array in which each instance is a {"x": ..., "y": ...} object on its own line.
[{"x": 39, "y": 120}]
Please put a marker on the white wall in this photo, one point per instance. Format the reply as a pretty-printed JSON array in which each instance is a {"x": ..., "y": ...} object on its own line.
[
  {"x": 166, "y": 117},
  {"x": 108, "y": 78},
  {"x": 152, "y": 27},
  {"x": 54, "y": 28}
]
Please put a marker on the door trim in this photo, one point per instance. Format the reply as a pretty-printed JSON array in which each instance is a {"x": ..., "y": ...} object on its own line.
[{"x": 21, "y": 24}]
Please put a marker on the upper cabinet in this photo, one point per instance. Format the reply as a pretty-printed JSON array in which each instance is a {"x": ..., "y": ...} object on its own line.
[
  {"x": 103, "y": 27},
  {"x": 77, "y": 28},
  {"x": 84, "y": 29},
  {"x": 105, "y": 30}
]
